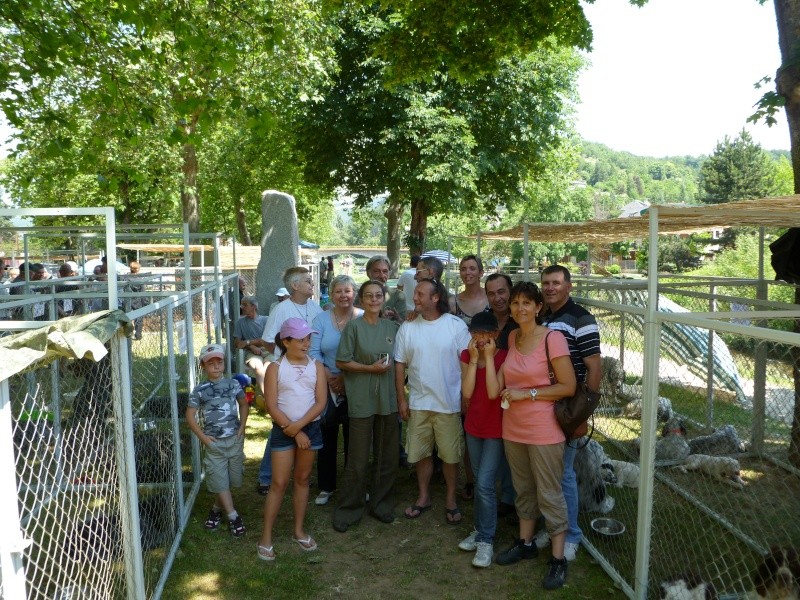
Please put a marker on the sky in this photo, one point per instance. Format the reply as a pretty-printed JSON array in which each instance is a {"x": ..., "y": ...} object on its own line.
[{"x": 675, "y": 77}]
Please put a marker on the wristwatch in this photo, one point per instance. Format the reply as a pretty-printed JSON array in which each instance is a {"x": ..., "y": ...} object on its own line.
[{"x": 533, "y": 393}]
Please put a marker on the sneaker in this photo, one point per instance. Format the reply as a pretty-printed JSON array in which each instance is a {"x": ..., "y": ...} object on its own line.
[
  {"x": 213, "y": 520},
  {"x": 483, "y": 555},
  {"x": 570, "y": 550},
  {"x": 468, "y": 544},
  {"x": 323, "y": 498},
  {"x": 556, "y": 574},
  {"x": 542, "y": 539},
  {"x": 236, "y": 527},
  {"x": 519, "y": 551}
]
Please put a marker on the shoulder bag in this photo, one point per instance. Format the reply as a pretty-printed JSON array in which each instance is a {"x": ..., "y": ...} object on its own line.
[{"x": 573, "y": 412}]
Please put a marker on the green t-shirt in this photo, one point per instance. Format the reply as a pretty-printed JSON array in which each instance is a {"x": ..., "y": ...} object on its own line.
[{"x": 368, "y": 394}]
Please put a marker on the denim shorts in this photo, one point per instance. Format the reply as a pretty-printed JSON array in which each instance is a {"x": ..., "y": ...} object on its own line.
[{"x": 281, "y": 441}]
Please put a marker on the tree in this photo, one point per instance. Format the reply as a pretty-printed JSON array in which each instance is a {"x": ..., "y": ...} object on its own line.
[
  {"x": 737, "y": 170},
  {"x": 177, "y": 68},
  {"x": 436, "y": 147}
]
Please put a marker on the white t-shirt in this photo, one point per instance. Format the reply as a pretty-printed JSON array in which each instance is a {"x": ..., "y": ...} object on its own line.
[
  {"x": 286, "y": 310},
  {"x": 409, "y": 283},
  {"x": 430, "y": 350}
]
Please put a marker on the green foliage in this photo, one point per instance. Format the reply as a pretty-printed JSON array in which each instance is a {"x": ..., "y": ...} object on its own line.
[
  {"x": 738, "y": 169},
  {"x": 676, "y": 254}
]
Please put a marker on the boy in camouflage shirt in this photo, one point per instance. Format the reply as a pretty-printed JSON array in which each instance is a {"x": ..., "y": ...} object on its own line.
[{"x": 222, "y": 434}]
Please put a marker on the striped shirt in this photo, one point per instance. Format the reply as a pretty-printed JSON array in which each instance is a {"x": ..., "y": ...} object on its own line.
[{"x": 580, "y": 329}]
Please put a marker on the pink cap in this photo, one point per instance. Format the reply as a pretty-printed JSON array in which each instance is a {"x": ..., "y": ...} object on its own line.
[{"x": 296, "y": 328}]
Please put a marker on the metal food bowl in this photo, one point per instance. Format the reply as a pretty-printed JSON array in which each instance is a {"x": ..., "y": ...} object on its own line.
[{"x": 608, "y": 527}]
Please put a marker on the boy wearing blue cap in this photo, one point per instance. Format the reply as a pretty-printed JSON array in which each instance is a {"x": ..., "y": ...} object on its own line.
[{"x": 222, "y": 434}]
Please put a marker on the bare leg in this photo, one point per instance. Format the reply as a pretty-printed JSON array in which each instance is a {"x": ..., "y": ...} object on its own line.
[
  {"x": 281, "y": 470},
  {"x": 424, "y": 472},
  {"x": 558, "y": 544},
  {"x": 526, "y": 531},
  {"x": 225, "y": 500},
  {"x": 304, "y": 461},
  {"x": 450, "y": 472}
]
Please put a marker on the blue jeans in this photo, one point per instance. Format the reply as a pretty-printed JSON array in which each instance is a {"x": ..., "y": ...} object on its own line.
[
  {"x": 569, "y": 485},
  {"x": 265, "y": 470},
  {"x": 486, "y": 456}
]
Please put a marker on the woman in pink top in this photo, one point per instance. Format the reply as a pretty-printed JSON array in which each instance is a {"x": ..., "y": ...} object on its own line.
[{"x": 533, "y": 440}]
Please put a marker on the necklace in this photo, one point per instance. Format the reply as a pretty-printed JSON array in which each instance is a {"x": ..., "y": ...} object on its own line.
[
  {"x": 297, "y": 308},
  {"x": 341, "y": 323}
]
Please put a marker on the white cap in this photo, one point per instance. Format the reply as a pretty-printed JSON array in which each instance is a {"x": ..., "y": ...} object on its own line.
[{"x": 282, "y": 292}]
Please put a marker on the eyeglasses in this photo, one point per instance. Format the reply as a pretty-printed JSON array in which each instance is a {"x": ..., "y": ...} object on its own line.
[{"x": 377, "y": 296}]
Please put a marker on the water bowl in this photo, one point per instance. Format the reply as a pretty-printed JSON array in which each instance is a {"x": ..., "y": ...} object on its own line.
[{"x": 608, "y": 527}]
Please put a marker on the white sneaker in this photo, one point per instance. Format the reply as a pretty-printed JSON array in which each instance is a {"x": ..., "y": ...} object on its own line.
[
  {"x": 483, "y": 555},
  {"x": 468, "y": 544},
  {"x": 570, "y": 550},
  {"x": 323, "y": 498},
  {"x": 541, "y": 539}
]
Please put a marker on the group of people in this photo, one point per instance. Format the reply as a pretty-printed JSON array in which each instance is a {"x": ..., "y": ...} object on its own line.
[{"x": 482, "y": 367}]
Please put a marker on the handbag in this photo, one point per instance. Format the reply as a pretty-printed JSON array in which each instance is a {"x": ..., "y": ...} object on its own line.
[{"x": 573, "y": 412}]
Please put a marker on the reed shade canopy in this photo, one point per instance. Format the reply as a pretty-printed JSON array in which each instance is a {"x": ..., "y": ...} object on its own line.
[{"x": 673, "y": 220}]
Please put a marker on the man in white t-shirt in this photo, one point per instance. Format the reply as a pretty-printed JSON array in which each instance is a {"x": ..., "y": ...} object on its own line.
[
  {"x": 406, "y": 283},
  {"x": 299, "y": 304},
  {"x": 427, "y": 349}
]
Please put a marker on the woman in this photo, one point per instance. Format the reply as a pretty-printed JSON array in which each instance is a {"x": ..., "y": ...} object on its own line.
[
  {"x": 473, "y": 299},
  {"x": 324, "y": 344},
  {"x": 532, "y": 438},
  {"x": 364, "y": 356}
]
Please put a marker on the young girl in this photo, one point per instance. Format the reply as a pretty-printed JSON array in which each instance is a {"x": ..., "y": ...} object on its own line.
[{"x": 296, "y": 393}]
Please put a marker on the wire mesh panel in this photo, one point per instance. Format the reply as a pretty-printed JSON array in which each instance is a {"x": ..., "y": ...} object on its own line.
[{"x": 726, "y": 478}]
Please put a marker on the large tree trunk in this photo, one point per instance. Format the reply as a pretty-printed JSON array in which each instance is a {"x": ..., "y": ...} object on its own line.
[
  {"x": 241, "y": 222},
  {"x": 190, "y": 202},
  {"x": 419, "y": 227},
  {"x": 787, "y": 13},
  {"x": 393, "y": 214}
]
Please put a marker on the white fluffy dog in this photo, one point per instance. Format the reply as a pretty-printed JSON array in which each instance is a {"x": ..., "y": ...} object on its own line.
[
  {"x": 722, "y": 468},
  {"x": 625, "y": 473},
  {"x": 589, "y": 461},
  {"x": 687, "y": 587}
]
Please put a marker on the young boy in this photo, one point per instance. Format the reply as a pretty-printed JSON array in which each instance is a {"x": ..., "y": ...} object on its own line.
[{"x": 222, "y": 435}]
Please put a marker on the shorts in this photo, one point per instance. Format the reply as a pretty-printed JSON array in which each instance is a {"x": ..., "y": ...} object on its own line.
[
  {"x": 256, "y": 362},
  {"x": 426, "y": 427},
  {"x": 281, "y": 441},
  {"x": 224, "y": 464}
]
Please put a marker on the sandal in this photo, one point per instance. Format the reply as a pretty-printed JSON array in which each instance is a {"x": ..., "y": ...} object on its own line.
[
  {"x": 415, "y": 508},
  {"x": 308, "y": 544},
  {"x": 213, "y": 520},
  {"x": 265, "y": 553},
  {"x": 236, "y": 527},
  {"x": 453, "y": 516}
]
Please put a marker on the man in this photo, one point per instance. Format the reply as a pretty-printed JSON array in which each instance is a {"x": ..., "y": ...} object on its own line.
[
  {"x": 583, "y": 337},
  {"x": 139, "y": 302},
  {"x": 67, "y": 306},
  {"x": 394, "y": 307},
  {"x": 247, "y": 336},
  {"x": 299, "y": 283},
  {"x": 282, "y": 294},
  {"x": 407, "y": 283},
  {"x": 427, "y": 349}
]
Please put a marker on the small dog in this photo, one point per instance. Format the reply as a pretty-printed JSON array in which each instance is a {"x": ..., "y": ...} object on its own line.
[
  {"x": 719, "y": 467},
  {"x": 589, "y": 461},
  {"x": 633, "y": 410},
  {"x": 778, "y": 577},
  {"x": 673, "y": 445},
  {"x": 724, "y": 440},
  {"x": 688, "y": 587},
  {"x": 621, "y": 474}
]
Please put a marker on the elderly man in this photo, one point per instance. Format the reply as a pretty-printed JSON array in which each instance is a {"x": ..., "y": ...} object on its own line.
[
  {"x": 427, "y": 348},
  {"x": 247, "y": 336},
  {"x": 583, "y": 337},
  {"x": 299, "y": 305},
  {"x": 394, "y": 307}
]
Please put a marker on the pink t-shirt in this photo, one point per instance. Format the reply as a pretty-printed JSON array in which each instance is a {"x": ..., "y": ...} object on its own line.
[{"x": 527, "y": 421}]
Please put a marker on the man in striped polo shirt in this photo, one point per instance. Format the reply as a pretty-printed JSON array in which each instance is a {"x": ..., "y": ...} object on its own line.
[{"x": 583, "y": 337}]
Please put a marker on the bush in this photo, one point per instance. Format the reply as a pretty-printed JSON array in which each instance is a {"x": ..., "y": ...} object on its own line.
[{"x": 614, "y": 269}]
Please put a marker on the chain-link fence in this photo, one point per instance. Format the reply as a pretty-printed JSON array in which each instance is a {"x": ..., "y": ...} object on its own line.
[
  {"x": 105, "y": 468},
  {"x": 725, "y": 485}
]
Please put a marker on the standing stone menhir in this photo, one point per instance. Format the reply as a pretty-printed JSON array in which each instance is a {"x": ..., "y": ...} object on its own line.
[{"x": 279, "y": 245}]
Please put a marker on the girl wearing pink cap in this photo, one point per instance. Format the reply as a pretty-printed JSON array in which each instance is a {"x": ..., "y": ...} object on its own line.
[{"x": 295, "y": 389}]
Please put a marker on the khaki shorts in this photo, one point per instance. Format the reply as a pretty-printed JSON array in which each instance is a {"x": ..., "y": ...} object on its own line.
[
  {"x": 224, "y": 464},
  {"x": 426, "y": 427},
  {"x": 254, "y": 361}
]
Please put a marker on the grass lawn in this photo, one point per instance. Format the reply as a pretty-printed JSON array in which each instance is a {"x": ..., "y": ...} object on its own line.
[{"x": 406, "y": 559}]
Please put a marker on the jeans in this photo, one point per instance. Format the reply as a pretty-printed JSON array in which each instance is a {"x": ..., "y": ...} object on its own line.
[
  {"x": 486, "y": 456},
  {"x": 265, "y": 470},
  {"x": 569, "y": 485},
  {"x": 326, "y": 458}
]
